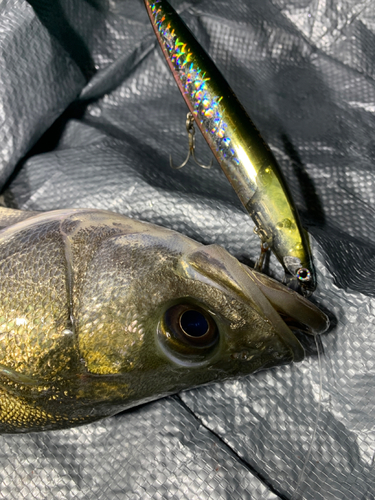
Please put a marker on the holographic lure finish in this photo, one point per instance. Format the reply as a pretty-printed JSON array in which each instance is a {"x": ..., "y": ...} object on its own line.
[{"x": 243, "y": 155}]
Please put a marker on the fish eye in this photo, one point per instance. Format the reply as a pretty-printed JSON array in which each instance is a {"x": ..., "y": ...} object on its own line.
[
  {"x": 188, "y": 333},
  {"x": 193, "y": 323}
]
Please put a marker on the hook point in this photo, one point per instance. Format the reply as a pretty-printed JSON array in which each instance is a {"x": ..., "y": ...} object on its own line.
[{"x": 191, "y": 134}]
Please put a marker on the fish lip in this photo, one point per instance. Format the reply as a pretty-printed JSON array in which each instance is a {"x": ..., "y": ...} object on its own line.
[
  {"x": 282, "y": 327},
  {"x": 313, "y": 320},
  {"x": 292, "y": 343}
]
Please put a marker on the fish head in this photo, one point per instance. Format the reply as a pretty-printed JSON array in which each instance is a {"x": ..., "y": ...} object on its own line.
[{"x": 161, "y": 313}]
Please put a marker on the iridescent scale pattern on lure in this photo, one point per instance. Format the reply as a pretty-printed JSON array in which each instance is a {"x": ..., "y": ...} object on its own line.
[{"x": 206, "y": 105}]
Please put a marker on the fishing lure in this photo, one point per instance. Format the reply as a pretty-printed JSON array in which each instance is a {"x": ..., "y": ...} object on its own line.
[
  {"x": 243, "y": 155},
  {"x": 99, "y": 313}
]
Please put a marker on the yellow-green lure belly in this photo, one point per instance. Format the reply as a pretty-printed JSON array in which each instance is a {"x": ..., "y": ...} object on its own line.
[
  {"x": 237, "y": 145},
  {"x": 100, "y": 312}
]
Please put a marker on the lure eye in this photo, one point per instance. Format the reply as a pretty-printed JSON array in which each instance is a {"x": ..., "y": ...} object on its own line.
[
  {"x": 188, "y": 333},
  {"x": 303, "y": 275}
]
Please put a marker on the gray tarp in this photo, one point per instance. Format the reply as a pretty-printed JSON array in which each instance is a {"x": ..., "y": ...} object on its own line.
[{"x": 304, "y": 69}]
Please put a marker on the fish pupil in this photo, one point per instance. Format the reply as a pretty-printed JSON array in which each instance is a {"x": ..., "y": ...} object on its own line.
[{"x": 193, "y": 323}]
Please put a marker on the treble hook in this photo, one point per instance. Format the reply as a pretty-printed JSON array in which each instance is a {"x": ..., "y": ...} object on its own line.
[
  {"x": 191, "y": 134},
  {"x": 265, "y": 246}
]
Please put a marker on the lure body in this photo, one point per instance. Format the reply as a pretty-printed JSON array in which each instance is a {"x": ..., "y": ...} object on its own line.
[
  {"x": 99, "y": 313},
  {"x": 237, "y": 145}
]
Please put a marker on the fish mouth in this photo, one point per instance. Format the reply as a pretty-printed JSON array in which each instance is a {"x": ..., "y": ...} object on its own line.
[
  {"x": 301, "y": 317},
  {"x": 284, "y": 309},
  {"x": 292, "y": 314},
  {"x": 296, "y": 326},
  {"x": 297, "y": 312},
  {"x": 286, "y": 334}
]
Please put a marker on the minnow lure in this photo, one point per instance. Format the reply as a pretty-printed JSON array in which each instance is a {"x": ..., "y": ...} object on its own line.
[
  {"x": 99, "y": 313},
  {"x": 237, "y": 145}
]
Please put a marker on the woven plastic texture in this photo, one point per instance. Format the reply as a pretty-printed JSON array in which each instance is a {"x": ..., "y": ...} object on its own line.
[{"x": 304, "y": 69}]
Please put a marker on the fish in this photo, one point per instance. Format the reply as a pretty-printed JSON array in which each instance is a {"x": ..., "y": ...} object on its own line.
[
  {"x": 100, "y": 313},
  {"x": 242, "y": 153}
]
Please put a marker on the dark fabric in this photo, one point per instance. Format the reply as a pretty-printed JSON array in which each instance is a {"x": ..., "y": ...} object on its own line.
[{"x": 89, "y": 115}]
